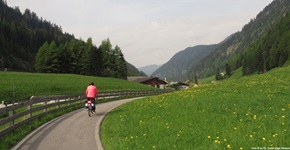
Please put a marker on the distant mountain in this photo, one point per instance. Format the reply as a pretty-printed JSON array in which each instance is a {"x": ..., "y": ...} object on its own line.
[
  {"x": 210, "y": 59},
  {"x": 133, "y": 71},
  {"x": 176, "y": 68},
  {"x": 232, "y": 50},
  {"x": 149, "y": 69}
]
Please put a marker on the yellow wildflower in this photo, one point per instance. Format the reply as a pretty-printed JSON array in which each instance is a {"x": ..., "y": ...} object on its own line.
[
  {"x": 208, "y": 137},
  {"x": 229, "y": 146},
  {"x": 255, "y": 116},
  {"x": 264, "y": 139},
  {"x": 217, "y": 141}
]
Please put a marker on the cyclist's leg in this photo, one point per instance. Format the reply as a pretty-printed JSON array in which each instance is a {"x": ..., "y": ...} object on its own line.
[{"x": 94, "y": 102}]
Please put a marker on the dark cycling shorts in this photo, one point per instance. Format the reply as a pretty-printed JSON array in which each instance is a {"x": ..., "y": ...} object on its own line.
[{"x": 93, "y": 101}]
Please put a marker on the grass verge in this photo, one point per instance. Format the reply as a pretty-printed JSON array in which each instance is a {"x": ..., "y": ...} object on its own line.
[
  {"x": 11, "y": 139},
  {"x": 20, "y": 86},
  {"x": 250, "y": 112}
]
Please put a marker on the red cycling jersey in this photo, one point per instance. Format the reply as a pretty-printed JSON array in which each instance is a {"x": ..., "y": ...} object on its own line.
[{"x": 92, "y": 91}]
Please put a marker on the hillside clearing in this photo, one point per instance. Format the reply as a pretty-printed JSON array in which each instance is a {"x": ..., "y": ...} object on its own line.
[{"x": 248, "y": 112}]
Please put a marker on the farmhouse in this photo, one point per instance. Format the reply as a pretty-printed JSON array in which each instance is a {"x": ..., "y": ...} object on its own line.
[
  {"x": 152, "y": 81},
  {"x": 180, "y": 85}
]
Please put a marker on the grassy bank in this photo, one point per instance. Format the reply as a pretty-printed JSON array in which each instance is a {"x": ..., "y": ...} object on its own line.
[
  {"x": 247, "y": 113},
  {"x": 18, "y": 86}
]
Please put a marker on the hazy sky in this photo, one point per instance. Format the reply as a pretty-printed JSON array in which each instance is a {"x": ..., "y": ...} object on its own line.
[{"x": 147, "y": 31}]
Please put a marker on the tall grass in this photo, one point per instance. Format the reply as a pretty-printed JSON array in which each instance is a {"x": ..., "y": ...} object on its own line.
[
  {"x": 18, "y": 86},
  {"x": 248, "y": 113}
]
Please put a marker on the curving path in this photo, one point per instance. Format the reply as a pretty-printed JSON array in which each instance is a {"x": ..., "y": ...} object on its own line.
[{"x": 72, "y": 131}]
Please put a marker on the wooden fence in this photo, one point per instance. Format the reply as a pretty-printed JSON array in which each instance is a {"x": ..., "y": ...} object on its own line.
[{"x": 22, "y": 112}]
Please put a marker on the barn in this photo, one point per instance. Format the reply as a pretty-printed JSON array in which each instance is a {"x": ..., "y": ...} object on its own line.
[{"x": 152, "y": 81}]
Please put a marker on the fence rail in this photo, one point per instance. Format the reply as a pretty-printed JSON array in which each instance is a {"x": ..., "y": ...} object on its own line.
[{"x": 17, "y": 114}]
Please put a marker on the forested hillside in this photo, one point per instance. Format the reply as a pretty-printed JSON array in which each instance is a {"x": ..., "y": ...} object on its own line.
[
  {"x": 259, "y": 46},
  {"x": 271, "y": 51},
  {"x": 232, "y": 50},
  {"x": 176, "y": 68},
  {"x": 22, "y": 34},
  {"x": 30, "y": 43},
  {"x": 133, "y": 71}
]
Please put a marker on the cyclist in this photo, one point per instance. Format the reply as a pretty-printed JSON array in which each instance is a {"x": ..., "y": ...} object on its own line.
[{"x": 92, "y": 93}]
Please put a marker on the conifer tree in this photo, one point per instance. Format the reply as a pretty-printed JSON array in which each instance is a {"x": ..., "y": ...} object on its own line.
[
  {"x": 228, "y": 70},
  {"x": 52, "y": 59},
  {"x": 107, "y": 62},
  {"x": 40, "y": 59},
  {"x": 121, "y": 67}
]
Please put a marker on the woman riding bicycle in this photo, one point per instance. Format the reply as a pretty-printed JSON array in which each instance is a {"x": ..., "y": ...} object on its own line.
[{"x": 92, "y": 93}]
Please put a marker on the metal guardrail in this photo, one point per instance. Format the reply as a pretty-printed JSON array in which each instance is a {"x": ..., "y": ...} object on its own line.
[{"x": 12, "y": 117}]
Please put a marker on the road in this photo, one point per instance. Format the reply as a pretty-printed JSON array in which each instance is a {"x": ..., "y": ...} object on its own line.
[{"x": 72, "y": 131}]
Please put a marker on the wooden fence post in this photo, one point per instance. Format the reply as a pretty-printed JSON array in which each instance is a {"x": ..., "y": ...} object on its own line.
[
  {"x": 45, "y": 106},
  {"x": 69, "y": 102},
  {"x": 57, "y": 106},
  {"x": 11, "y": 113},
  {"x": 29, "y": 107}
]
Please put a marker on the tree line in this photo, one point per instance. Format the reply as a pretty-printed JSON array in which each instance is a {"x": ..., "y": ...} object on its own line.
[
  {"x": 270, "y": 51},
  {"x": 21, "y": 35},
  {"x": 79, "y": 57},
  {"x": 30, "y": 43}
]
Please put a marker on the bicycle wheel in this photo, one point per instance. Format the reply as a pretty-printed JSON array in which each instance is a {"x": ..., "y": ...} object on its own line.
[{"x": 90, "y": 111}]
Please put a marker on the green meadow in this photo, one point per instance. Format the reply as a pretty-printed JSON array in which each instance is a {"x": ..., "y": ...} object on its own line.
[
  {"x": 20, "y": 86},
  {"x": 244, "y": 113}
]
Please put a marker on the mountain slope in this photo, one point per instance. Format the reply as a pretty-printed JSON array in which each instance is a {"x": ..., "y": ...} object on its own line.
[
  {"x": 270, "y": 51},
  {"x": 231, "y": 51},
  {"x": 149, "y": 69},
  {"x": 177, "y": 67},
  {"x": 133, "y": 71}
]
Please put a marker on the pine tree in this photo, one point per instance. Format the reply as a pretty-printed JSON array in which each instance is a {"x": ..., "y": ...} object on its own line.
[
  {"x": 107, "y": 53},
  {"x": 40, "y": 59},
  {"x": 228, "y": 70},
  {"x": 79, "y": 51},
  {"x": 195, "y": 79},
  {"x": 52, "y": 62},
  {"x": 121, "y": 67},
  {"x": 66, "y": 58}
]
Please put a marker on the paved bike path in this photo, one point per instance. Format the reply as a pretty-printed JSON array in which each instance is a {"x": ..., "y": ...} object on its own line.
[{"x": 72, "y": 131}]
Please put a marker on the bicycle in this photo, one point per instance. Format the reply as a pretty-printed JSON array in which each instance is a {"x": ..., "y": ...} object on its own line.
[{"x": 89, "y": 106}]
